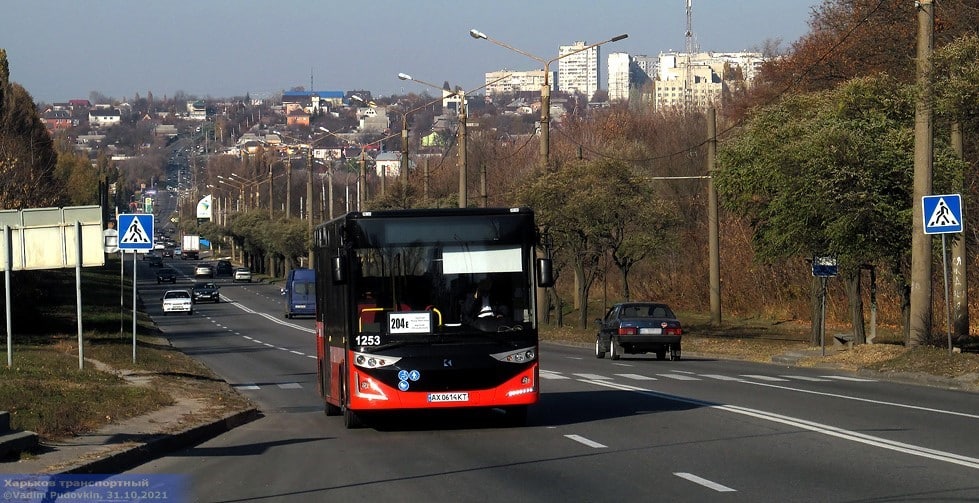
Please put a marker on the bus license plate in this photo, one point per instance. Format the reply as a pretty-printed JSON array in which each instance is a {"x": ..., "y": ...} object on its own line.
[{"x": 448, "y": 397}]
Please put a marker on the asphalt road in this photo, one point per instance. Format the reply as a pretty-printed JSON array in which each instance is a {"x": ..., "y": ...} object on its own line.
[{"x": 629, "y": 430}]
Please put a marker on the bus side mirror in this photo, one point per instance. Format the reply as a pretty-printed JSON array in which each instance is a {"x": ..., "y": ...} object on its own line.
[
  {"x": 545, "y": 273},
  {"x": 338, "y": 272}
]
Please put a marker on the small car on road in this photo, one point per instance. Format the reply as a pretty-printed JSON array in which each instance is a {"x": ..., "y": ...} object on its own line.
[
  {"x": 242, "y": 274},
  {"x": 206, "y": 291},
  {"x": 204, "y": 271},
  {"x": 223, "y": 268},
  {"x": 639, "y": 327},
  {"x": 177, "y": 301},
  {"x": 166, "y": 274}
]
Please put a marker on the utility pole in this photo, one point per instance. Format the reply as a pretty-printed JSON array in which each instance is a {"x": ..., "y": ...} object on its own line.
[
  {"x": 463, "y": 182},
  {"x": 309, "y": 201},
  {"x": 921, "y": 256},
  {"x": 288, "y": 187},
  {"x": 960, "y": 290},
  {"x": 714, "y": 255},
  {"x": 271, "y": 205},
  {"x": 362, "y": 186}
]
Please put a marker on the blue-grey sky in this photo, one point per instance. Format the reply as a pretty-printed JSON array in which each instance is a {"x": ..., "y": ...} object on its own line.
[{"x": 65, "y": 49}]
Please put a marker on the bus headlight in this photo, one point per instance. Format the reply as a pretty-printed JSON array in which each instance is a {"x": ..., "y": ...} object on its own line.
[
  {"x": 374, "y": 361},
  {"x": 518, "y": 356}
]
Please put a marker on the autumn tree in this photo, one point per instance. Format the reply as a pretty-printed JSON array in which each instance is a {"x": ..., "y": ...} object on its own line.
[{"x": 75, "y": 170}]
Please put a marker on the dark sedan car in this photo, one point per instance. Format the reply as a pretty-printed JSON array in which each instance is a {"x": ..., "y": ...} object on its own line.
[
  {"x": 223, "y": 268},
  {"x": 166, "y": 274},
  {"x": 206, "y": 291},
  {"x": 639, "y": 327}
]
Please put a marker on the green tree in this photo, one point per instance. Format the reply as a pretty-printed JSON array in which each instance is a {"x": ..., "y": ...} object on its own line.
[
  {"x": 27, "y": 157},
  {"x": 593, "y": 208},
  {"x": 830, "y": 174}
]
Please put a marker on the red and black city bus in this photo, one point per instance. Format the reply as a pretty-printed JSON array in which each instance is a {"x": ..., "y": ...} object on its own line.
[{"x": 428, "y": 309}]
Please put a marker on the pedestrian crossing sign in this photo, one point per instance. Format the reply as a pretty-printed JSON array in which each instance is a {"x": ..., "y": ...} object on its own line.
[
  {"x": 942, "y": 214},
  {"x": 136, "y": 232}
]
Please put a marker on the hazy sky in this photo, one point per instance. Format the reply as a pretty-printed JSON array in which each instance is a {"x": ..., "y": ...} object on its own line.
[{"x": 64, "y": 49}]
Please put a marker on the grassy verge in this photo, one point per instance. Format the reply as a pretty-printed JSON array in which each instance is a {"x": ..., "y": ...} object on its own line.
[{"x": 46, "y": 392}]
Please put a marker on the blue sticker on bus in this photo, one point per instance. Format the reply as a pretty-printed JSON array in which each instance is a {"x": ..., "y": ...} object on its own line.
[
  {"x": 415, "y": 375},
  {"x": 402, "y": 375},
  {"x": 403, "y": 385}
]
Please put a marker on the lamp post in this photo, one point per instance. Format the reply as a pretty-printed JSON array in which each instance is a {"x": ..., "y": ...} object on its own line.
[
  {"x": 404, "y": 136},
  {"x": 362, "y": 183},
  {"x": 463, "y": 156},
  {"x": 463, "y": 161},
  {"x": 545, "y": 90},
  {"x": 236, "y": 184}
]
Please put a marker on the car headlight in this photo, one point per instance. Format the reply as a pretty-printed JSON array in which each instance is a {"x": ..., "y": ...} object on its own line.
[{"x": 518, "y": 356}]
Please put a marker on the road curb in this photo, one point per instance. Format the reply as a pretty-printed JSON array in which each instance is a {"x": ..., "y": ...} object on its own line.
[{"x": 138, "y": 454}]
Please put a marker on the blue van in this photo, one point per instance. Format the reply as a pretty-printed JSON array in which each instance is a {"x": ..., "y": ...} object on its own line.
[{"x": 300, "y": 293}]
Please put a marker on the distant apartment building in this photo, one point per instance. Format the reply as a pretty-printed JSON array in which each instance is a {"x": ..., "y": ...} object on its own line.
[
  {"x": 579, "y": 70},
  {"x": 197, "y": 110},
  {"x": 629, "y": 75},
  {"x": 699, "y": 80},
  {"x": 509, "y": 83}
]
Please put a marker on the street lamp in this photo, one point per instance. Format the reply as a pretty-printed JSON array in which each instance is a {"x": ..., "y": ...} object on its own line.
[
  {"x": 545, "y": 90},
  {"x": 362, "y": 183},
  {"x": 463, "y": 159},
  {"x": 404, "y": 136},
  {"x": 309, "y": 184}
]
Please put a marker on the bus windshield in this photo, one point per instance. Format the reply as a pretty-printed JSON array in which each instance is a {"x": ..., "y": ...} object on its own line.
[{"x": 469, "y": 277}]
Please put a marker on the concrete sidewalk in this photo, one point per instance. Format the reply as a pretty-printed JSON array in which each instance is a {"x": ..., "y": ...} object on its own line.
[{"x": 121, "y": 446}]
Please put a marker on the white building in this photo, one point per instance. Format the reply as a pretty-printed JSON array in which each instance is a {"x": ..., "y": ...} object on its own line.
[
  {"x": 628, "y": 74},
  {"x": 104, "y": 117},
  {"x": 699, "y": 80},
  {"x": 579, "y": 72},
  {"x": 373, "y": 119},
  {"x": 507, "y": 82}
]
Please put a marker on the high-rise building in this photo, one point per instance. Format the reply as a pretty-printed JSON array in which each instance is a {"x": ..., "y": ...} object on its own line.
[
  {"x": 699, "y": 80},
  {"x": 507, "y": 82},
  {"x": 629, "y": 74},
  {"x": 580, "y": 72}
]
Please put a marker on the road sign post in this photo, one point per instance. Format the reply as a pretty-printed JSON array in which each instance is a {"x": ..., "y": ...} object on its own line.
[
  {"x": 943, "y": 215},
  {"x": 822, "y": 268},
  {"x": 135, "y": 235}
]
